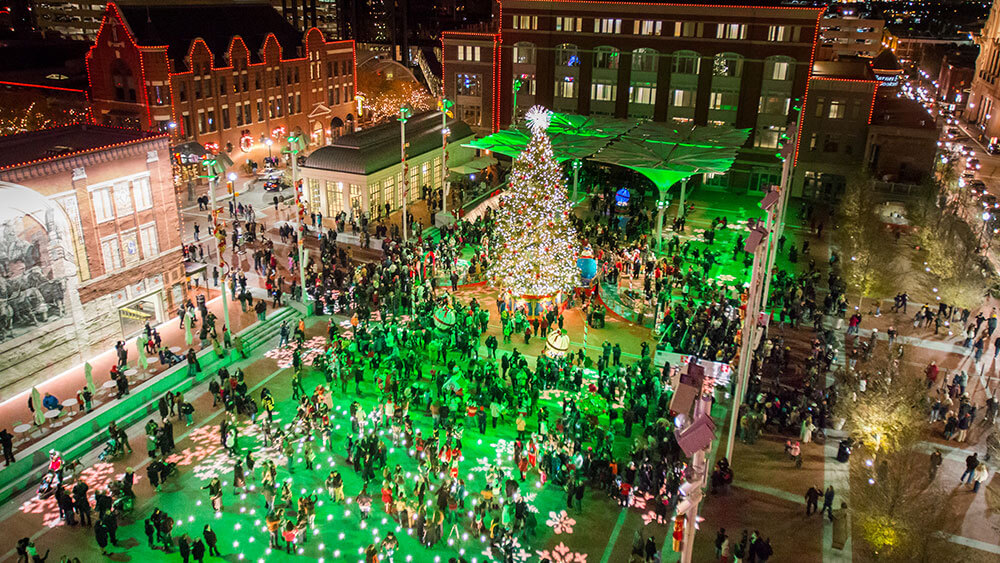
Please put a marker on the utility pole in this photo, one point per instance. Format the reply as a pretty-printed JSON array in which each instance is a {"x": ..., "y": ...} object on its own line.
[
  {"x": 215, "y": 166},
  {"x": 295, "y": 145},
  {"x": 404, "y": 114}
]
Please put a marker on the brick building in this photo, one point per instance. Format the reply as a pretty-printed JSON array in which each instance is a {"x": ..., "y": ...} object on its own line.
[
  {"x": 91, "y": 233},
  {"x": 221, "y": 74},
  {"x": 695, "y": 61}
]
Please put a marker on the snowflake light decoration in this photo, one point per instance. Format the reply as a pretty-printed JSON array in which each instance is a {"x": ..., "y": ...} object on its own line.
[
  {"x": 562, "y": 554},
  {"x": 560, "y": 522}
]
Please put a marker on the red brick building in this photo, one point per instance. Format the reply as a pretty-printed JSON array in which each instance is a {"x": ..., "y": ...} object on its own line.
[
  {"x": 91, "y": 245},
  {"x": 740, "y": 65},
  {"x": 221, "y": 74}
]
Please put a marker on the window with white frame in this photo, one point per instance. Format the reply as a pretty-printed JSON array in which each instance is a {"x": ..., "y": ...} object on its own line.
[
  {"x": 102, "y": 205},
  {"x": 642, "y": 93},
  {"x": 525, "y": 22},
  {"x": 687, "y": 29},
  {"x": 647, "y": 27},
  {"x": 607, "y": 25},
  {"x": 682, "y": 98},
  {"x": 147, "y": 237},
  {"x": 774, "y": 104},
  {"x": 469, "y": 53},
  {"x": 524, "y": 53},
  {"x": 566, "y": 23},
  {"x": 123, "y": 199},
  {"x": 686, "y": 62},
  {"x": 780, "y": 70},
  {"x": 837, "y": 109},
  {"x": 111, "y": 253},
  {"x": 725, "y": 101},
  {"x": 527, "y": 84},
  {"x": 766, "y": 138},
  {"x": 731, "y": 31},
  {"x": 601, "y": 91},
  {"x": 142, "y": 194}
]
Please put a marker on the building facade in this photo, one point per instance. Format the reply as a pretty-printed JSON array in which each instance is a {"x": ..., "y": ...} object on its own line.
[
  {"x": 363, "y": 173},
  {"x": 210, "y": 74},
  {"x": 736, "y": 65},
  {"x": 851, "y": 36},
  {"x": 984, "y": 97},
  {"x": 92, "y": 232},
  {"x": 69, "y": 19}
]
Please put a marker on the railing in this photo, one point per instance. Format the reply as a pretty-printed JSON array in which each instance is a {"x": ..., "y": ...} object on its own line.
[{"x": 897, "y": 188}]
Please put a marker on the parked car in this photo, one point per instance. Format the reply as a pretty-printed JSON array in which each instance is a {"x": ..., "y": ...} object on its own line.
[
  {"x": 973, "y": 163},
  {"x": 274, "y": 185},
  {"x": 952, "y": 132}
]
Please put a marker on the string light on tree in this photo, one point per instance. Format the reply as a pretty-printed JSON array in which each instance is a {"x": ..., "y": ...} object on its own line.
[{"x": 535, "y": 240}]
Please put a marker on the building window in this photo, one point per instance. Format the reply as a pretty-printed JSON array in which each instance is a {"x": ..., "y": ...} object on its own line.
[
  {"x": 469, "y": 53},
  {"x": 836, "y": 110},
  {"x": 682, "y": 98},
  {"x": 123, "y": 81},
  {"x": 731, "y": 31},
  {"x": 468, "y": 85},
  {"x": 601, "y": 91},
  {"x": 222, "y": 85},
  {"x": 147, "y": 236},
  {"x": 102, "y": 205},
  {"x": 182, "y": 91},
  {"x": 644, "y": 93},
  {"x": 725, "y": 101},
  {"x": 727, "y": 65},
  {"x": 567, "y": 55},
  {"x": 778, "y": 33},
  {"x": 334, "y": 198},
  {"x": 211, "y": 120},
  {"x": 566, "y": 88},
  {"x": 527, "y": 84},
  {"x": 830, "y": 144},
  {"x": 524, "y": 53},
  {"x": 142, "y": 194},
  {"x": 225, "y": 118},
  {"x": 644, "y": 59},
  {"x": 687, "y": 29},
  {"x": 774, "y": 105},
  {"x": 607, "y": 25},
  {"x": 239, "y": 115},
  {"x": 687, "y": 62},
  {"x": 647, "y": 27},
  {"x": 606, "y": 58},
  {"x": 260, "y": 110},
  {"x": 186, "y": 119},
  {"x": 473, "y": 115},
  {"x": 112, "y": 254},
  {"x": 566, "y": 23},
  {"x": 525, "y": 22}
]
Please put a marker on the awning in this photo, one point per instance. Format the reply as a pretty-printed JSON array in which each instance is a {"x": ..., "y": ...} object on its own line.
[{"x": 474, "y": 166}]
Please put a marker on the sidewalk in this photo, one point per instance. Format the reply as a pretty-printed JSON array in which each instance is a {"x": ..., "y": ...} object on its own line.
[{"x": 14, "y": 411}]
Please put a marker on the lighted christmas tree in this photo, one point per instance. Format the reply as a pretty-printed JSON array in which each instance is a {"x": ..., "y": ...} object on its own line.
[{"x": 535, "y": 243}]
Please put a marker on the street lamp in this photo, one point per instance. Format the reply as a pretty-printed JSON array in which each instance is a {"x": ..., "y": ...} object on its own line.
[
  {"x": 268, "y": 142},
  {"x": 296, "y": 144},
  {"x": 215, "y": 165},
  {"x": 404, "y": 115}
]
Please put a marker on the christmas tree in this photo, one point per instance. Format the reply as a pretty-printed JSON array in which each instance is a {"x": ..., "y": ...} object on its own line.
[{"x": 536, "y": 245}]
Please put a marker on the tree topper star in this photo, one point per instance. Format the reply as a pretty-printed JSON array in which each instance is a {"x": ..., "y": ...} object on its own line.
[{"x": 538, "y": 119}]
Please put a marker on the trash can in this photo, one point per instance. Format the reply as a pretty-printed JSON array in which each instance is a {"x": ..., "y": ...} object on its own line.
[{"x": 844, "y": 451}]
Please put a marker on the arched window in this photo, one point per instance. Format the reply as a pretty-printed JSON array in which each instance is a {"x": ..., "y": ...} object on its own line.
[
  {"x": 524, "y": 53},
  {"x": 727, "y": 64},
  {"x": 779, "y": 68},
  {"x": 606, "y": 57},
  {"x": 644, "y": 59},
  {"x": 567, "y": 54},
  {"x": 123, "y": 81},
  {"x": 687, "y": 62}
]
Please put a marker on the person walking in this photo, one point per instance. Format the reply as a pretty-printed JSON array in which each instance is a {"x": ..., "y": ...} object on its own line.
[
  {"x": 812, "y": 499},
  {"x": 7, "y": 443},
  {"x": 971, "y": 463},
  {"x": 980, "y": 475},
  {"x": 211, "y": 540},
  {"x": 828, "y": 502},
  {"x": 935, "y": 463}
]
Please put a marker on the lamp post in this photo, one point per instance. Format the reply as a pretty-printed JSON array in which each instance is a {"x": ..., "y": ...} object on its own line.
[
  {"x": 445, "y": 105},
  {"x": 215, "y": 165},
  {"x": 296, "y": 144},
  {"x": 404, "y": 114},
  {"x": 268, "y": 142}
]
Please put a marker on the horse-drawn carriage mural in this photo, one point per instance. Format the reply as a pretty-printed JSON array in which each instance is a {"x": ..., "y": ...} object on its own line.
[{"x": 31, "y": 293}]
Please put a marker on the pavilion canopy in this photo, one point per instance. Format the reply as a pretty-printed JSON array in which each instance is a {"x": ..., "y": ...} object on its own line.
[{"x": 663, "y": 152}]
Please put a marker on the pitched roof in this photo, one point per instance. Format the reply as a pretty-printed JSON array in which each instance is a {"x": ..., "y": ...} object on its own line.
[
  {"x": 177, "y": 25},
  {"x": 377, "y": 148}
]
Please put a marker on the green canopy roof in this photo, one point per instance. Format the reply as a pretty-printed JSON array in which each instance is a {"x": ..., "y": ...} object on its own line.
[{"x": 663, "y": 152}]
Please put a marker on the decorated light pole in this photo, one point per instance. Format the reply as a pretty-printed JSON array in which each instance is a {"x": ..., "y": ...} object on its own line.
[
  {"x": 404, "y": 114},
  {"x": 215, "y": 166},
  {"x": 297, "y": 144},
  {"x": 444, "y": 106}
]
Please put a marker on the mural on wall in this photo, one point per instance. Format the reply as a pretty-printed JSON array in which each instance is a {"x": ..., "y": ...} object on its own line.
[{"x": 32, "y": 288}]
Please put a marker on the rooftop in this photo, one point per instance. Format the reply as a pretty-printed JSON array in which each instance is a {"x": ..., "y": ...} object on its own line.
[
  {"x": 58, "y": 142},
  {"x": 177, "y": 25},
  {"x": 897, "y": 111},
  {"x": 377, "y": 148},
  {"x": 847, "y": 68}
]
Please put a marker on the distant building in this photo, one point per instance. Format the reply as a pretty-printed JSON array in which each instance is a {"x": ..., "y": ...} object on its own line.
[
  {"x": 69, "y": 19},
  {"x": 843, "y": 35},
  {"x": 91, "y": 230},
  {"x": 685, "y": 62},
  {"x": 982, "y": 108},
  {"x": 220, "y": 75},
  {"x": 958, "y": 68}
]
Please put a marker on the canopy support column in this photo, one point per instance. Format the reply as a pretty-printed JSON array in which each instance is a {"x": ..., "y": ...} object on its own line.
[
  {"x": 576, "y": 179},
  {"x": 680, "y": 205},
  {"x": 661, "y": 208}
]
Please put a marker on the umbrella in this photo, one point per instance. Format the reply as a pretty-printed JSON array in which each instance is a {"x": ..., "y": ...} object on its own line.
[
  {"x": 188, "y": 337},
  {"x": 36, "y": 401},
  {"x": 88, "y": 371},
  {"x": 140, "y": 345}
]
